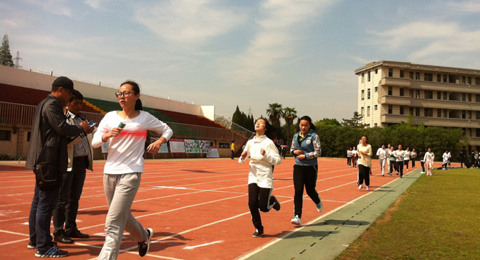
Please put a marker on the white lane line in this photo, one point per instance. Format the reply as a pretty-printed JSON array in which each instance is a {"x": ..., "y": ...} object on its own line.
[{"x": 202, "y": 245}]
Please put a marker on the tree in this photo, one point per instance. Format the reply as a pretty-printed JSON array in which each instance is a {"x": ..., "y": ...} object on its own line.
[
  {"x": 241, "y": 119},
  {"x": 5, "y": 55},
  {"x": 274, "y": 113},
  {"x": 354, "y": 121},
  {"x": 327, "y": 121},
  {"x": 289, "y": 114}
]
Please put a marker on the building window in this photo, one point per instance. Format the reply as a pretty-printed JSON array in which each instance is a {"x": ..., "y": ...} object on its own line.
[
  {"x": 439, "y": 78},
  {"x": 363, "y": 94},
  {"x": 401, "y": 110},
  {"x": 445, "y": 114},
  {"x": 411, "y": 93},
  {"x": 477, "y": 98},
  {"x": 368, "y": 111},
  {"x": 390, "y": 110},
  {"x": 452, "y": 79},
  {"x": 29, "y": 134},
  {"x": 469, "y": 80},
  {"x": 477, "y": 132},
  {"x": 445, "y": 78},
  {"x": 410, "y": 111},
  {"x": 411, "y": 75},
  {"x": 362, "y": 79},
  {"x": 417, "y": 93},
  {"x": 464, "y": 114},
  {"x": 417, "y": 75},
  {"x": 477, "y": 81},
  {"x": 439, "y": 94},
  {"x": 464, "y": 97},
  {"x": 464, "y": 80},
  {"x": 402, "y": 92},
  {"x": 428, "y": 94},
  {"x": 402, "y": 74},
  {"x": 428, "y": 77},
  {"x": 445, "y": 95},
  {"x": 428, "y": 112},
  {"x": 5, "y": 135},
  {"x": 477, "y": 114},
  {"x": 368, "y": 76},
  {"x": 469, "y": 97},
  {"x": 390, "y": 72},
  {"x": 375, "y": 124},
  {"x": 368, "y": 93},
  {"x": 469, "y": 115},
  {"x": 376, "y": 71},
  {"x": 375, "y": 107},
  {"x": 361, "y": 111},
  {"x": 439, "y": 113},
  {"x": 390, "y": 91},
  {"x": 376, "y": 89},
  {"x": 417, "y": 111}
]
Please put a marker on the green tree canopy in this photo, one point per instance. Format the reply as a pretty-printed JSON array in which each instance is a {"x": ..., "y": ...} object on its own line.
[{"x": 5, "y": 55}]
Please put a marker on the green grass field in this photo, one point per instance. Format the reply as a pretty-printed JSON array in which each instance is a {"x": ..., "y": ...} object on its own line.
[{"x": 437, "y": 218}]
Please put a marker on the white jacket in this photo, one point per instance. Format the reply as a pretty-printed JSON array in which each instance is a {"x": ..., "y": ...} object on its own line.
[{"x": 261, "y": 166}]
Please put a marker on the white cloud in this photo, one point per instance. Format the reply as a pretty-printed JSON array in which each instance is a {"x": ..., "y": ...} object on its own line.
[
  {"x": 424, "y": 40},
  {"x": 94, "y": 4},
  {"x": 277, "y": 37},
  {"x": 57, "y": 7},
  {"x": 465, "y": 6},
  {"x": 189, "y": 22}
]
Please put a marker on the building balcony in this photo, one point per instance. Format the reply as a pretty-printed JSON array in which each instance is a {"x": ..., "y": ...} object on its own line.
[
  {"x": 395, "y": 100},
  {"x": 432, "y": 121},
  {"x": 430, "y": 103},
  {"x": 398, "y": 82},
  {"x": 474, "y": 140},
  {"x": 430, "y": 85}
]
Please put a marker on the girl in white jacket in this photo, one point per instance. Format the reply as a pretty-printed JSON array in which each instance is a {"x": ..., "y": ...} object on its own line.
[
  {"x": 429, "y": 158},
  {"x": 263, "y": 156}
]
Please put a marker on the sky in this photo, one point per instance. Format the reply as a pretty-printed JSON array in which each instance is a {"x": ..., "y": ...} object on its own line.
[{"x": 298, "y": 53}]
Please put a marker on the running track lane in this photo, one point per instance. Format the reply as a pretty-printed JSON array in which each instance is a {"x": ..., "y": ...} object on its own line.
[{"x": 197, "y": 208}]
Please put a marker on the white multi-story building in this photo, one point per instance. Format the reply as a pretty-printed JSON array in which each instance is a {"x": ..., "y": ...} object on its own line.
[{"x": 388, "y": 91}]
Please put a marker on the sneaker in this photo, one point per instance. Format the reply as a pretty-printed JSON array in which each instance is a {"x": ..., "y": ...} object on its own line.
[
  {"x": 258, "y": 233},
  {"x": 62, "y": 237},
  {"x": 422, "y": 172},
  {"x": 31, "y": 245},
  {"x": 368, "y": 188},
  {"x": 296, "y": 220},
  {"x": 53, "y": 252},
  {"x": 319, "y": 207},
  {"x": 75, "y": 233},
  {"x": 144, "y": 246},
  {"x": 360, "y": 186},
  {"x": 276, "y": 204}
]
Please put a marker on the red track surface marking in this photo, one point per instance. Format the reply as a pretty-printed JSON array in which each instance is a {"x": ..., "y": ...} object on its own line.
[{"x": 197, "y": 208}]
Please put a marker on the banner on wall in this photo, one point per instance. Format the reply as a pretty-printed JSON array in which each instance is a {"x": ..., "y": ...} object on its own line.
[
  {"x": 213, "y": 152},
  {"x": 204, "y": 146},
  {"x": 192, "y": 146},
  {"x": 177, "y": 145},
  {"x": 163, "y": 148}
]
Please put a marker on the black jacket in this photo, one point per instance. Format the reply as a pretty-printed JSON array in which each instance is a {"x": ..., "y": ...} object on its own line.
[{"x": 48, "y": 141}]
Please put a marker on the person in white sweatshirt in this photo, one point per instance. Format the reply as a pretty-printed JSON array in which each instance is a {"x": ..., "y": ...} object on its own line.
[
  {"x": 126, "y": 132},
  {"x": 382, "y": 158},
  {"x": 429, "y": 158},
  {"x": 263, "y": 156}
]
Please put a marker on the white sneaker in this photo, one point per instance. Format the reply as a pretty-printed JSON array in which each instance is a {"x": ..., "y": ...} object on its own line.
[
  {"x": 360, "y": 186},
  {"x": 368, "y": 188},
  {"x": 296, "y": 220},
  {"x": 422, "y": 172}
]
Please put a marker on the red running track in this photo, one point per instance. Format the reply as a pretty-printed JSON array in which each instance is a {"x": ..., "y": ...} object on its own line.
[{"x": 197, "y": 208}]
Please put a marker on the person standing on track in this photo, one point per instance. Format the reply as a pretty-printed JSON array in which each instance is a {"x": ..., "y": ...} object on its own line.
[
  {"x": 349, "y": 157},
  {"x": 391, "y": 160},
  {"x": 382, "y": 158},
  {"x": 413, "y": 156},
  {"x": 364, "y": 162},
  {"x": 306, "y": 149},
  {"x": 429, "y": 158},
  {"x": 263, "y": 156},
  {"x": 354, "y": 157},
  {"x": 126, "y": 132},
  {"x": 399, "y": 154}
]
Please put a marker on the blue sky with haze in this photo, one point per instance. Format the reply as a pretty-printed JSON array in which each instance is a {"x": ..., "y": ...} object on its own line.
[{"x": 300, "y": 54}]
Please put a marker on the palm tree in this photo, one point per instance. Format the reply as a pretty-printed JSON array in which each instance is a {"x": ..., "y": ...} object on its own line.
[
  {"x": 274, "y": 112},
  {"x": 289, "y": 114}
]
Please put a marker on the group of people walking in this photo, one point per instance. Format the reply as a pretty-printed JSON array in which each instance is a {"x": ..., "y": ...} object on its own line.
[
  {"x": 264, "y": 155},
  {"x": 60, "y": 153}
]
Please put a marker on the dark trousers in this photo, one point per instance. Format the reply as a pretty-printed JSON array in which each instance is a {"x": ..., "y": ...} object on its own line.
[
  {"x": 258, "y": 198},
  {"x": 349, "y": 161},
  {"x": 67, "y": 206},
  {"x": 400, "y": 167},
  {"x": 422, "y": 163},
  {"x": 43, "y": 203},
  {"x": 304, "y": 177},
  {"x": 363, "y": 175},
  {"x": 405, "y": 162},
  {"x": 233, "y": 154},
  {"x": 393, "y": 165},
  {"x": 354, "y": 161},
  {"x": 413, "y": 163}
]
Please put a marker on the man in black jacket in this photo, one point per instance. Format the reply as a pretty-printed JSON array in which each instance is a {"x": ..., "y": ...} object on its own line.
[{"x": 48, "y": 146}]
